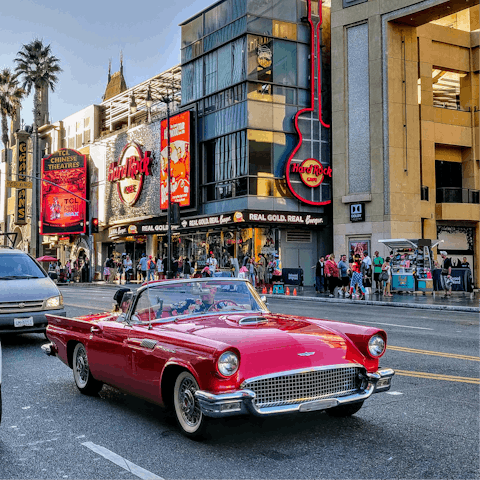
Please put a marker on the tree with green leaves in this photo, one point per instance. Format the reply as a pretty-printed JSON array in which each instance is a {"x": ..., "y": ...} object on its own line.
[
  {"x": 38, "y": 68},
  {"x": 11, "y": 96}
]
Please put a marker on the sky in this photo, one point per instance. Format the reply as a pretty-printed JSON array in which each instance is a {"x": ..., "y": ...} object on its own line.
[{"x": 85, "y": 35}]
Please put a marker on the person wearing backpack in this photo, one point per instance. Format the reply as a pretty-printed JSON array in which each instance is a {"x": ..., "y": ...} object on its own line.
[{"x": 151, "y": 264}]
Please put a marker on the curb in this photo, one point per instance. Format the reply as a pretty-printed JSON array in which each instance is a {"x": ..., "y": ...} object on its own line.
[{"x": 459, "y": 308}]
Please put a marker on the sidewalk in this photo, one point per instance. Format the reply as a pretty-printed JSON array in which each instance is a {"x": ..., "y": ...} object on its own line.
[{"x": 459, "y": 301}]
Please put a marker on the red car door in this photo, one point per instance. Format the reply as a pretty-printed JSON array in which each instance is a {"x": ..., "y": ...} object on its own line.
[
  {"x": 147, "y": 357},
  {"x": 108, "y": 352}
]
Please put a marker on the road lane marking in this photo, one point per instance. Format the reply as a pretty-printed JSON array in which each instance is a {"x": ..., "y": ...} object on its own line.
[
  {"x": 436, "y": 376},
  {"x": 438, "y": 354},
  {"x": 395, "y": 325},
  {"x": 86, "y": 306},
  {"x": 122, "y": 462}
]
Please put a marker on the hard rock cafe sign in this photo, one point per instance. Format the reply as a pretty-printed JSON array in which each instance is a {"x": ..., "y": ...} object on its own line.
[
  {"x": 129, "y": 172},
  {"x": 310, "y": 172}
]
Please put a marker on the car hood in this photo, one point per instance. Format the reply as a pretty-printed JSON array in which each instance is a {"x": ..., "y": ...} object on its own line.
[
  {"x": 27, "y": 289},
  {"x": 276, "y": 342}
]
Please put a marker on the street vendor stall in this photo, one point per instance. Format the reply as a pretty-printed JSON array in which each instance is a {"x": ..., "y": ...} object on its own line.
[{"x": 411, "y": 263}]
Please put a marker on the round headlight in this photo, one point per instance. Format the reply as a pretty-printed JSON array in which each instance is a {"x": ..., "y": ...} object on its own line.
[
  {"x": 376, "y": 345},
  {"x": 228, "y": 364}
]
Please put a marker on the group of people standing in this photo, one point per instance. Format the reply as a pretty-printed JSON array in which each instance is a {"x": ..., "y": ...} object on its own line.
[
  {"x": 351, "y": 278},
  {"x": 73, "y": 270}
]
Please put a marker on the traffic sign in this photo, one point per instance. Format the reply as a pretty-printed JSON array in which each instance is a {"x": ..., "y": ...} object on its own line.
[{"x": 18, "y": 184}]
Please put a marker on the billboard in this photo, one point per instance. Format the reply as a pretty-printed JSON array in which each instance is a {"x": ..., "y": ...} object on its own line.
[
  {"x": 180, "y": 161},
  {"x": 62, "y": 212}
]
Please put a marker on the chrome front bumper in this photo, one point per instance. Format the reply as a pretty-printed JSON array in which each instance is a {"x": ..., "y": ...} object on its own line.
[{"x": 241, "y": 402}]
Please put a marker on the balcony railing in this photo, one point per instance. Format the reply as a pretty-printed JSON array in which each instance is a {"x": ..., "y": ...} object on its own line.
[{"x": 457, "y": 195}]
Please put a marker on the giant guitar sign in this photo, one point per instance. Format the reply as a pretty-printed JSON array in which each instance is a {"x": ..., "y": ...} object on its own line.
[{"x": 304, "y": 174}]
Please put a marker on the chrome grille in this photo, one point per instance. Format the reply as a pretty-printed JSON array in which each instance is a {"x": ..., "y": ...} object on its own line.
[
  {"x": 304, "y": 386},
  {"x": 21, "y": 307}
]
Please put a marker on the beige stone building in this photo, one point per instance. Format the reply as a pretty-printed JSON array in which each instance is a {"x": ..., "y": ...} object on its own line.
[{"x": 405, "y": 101}]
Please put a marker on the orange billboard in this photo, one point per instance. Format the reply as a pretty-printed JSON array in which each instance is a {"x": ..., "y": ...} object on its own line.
[{"x": 180, "y": 161}]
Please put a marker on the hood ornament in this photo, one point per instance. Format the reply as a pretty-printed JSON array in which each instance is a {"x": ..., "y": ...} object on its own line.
[{"x": 305, "y": 354}]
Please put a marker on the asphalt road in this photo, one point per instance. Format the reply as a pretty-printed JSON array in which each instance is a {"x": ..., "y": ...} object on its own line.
[{"x": 427, "y": 426}]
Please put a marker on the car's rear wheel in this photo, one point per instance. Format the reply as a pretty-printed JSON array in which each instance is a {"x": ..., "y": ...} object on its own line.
[
  {"x": 187, "y": 409},
  {"x": 344, "y": 410},
  {"x": 81, "y": 372}
]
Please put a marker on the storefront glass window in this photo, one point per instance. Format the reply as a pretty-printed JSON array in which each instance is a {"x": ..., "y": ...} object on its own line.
[
  {"x": 285, "y": 30},
  {"x": 192, "y": 31},
  {"x": 260, "y": 151},
  {"x": 260, "y": 58},
  {"x": 284, "y": 62}
]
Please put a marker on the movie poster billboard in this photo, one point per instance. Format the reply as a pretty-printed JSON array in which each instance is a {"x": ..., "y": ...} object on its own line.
[
  {"x": 61, "y": 212},
  {"x": 180, "y": 161}
]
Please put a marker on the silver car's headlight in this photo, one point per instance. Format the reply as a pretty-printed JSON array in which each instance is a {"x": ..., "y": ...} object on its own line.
[
  {"x": 376, "y": 345},
  {"x": 228, "y": 364},
  {"x": 54, "y": 302}
]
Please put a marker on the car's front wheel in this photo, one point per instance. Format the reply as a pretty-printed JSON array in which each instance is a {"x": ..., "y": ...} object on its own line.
[
  {"x": 81, "y": 372},
  {"x": 187, "y": 409},
  {"x": 344, "y": 410}
]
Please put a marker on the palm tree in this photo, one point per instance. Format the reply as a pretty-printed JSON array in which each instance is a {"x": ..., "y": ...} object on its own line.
[
  {"x": 38, "y": 69},
  {"x": 10, "y": 97}
]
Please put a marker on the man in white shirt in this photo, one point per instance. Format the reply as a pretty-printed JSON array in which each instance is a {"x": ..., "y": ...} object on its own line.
[{"x": 212, "y": 263}]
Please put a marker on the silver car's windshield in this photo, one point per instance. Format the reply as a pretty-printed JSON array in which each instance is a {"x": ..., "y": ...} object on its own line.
[
  {"x": 17, "y": 266},
  {"x": 170, "y": 300}
]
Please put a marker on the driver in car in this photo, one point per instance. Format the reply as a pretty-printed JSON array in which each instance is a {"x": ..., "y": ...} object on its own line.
[{"x": 205, "y": 303}]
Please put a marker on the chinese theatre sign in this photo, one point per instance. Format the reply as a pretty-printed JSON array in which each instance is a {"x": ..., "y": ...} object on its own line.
[
  {"x": 180, "y": 161},
  {"x": 63, "y": 211},
  {"x": 21, "y": 195},
  {"x": 129, "y": 172},
  {"x": 305, "y": 176}
]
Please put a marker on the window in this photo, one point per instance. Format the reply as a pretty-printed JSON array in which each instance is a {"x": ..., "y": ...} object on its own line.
[
  {"x": 192, "y": 31},
  {"x": 284, "y": 30},
  {"x": 284, "y": 10},
  {"x": 284, "y": 62},
  {"x": 224, "y": 66},
  {"x": 260, "y": 151},
  {"x": 446, "y": 88},
  {"x": 210, "y": 72},
  {"x": 260, "y": 25},
  {"x": 260, "y": 58}
]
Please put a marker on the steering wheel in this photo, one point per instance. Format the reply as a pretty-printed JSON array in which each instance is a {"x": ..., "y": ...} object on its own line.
[{"x": 214, "y": 307}]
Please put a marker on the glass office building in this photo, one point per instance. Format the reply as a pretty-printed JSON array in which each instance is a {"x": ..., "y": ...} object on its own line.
[{"x": 247, "y": 72}]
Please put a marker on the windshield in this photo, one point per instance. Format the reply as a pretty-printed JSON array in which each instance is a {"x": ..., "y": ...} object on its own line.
[
  {"x": 13, "y": 266},
  {"x": 167, "y": 301}
]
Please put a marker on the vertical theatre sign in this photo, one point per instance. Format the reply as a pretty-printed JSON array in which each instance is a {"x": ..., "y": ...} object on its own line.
[
  {"x": 21, "y": 195},
  {"x": 180, "y": 161},
  {"x": 62, "y": 212}
]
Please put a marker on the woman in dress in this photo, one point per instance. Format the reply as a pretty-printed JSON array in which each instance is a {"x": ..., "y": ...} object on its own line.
[
  {"x": 106, "y": 270},
  {"x": 386, "y": 284},
  {"x": 332, "y": 274}
]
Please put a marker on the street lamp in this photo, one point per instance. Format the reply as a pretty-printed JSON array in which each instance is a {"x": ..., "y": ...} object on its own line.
[{"x": 133, "y": 104}]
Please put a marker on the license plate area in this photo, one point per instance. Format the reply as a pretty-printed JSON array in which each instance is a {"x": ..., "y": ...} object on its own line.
[
  {"x": 318, "y": 405},
  {"x": 23, "y": 322}
]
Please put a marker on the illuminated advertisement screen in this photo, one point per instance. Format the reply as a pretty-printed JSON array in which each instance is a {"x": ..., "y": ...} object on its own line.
[
  {"x": 179, "y": 160},
  {"x": 62, "y": 212}
]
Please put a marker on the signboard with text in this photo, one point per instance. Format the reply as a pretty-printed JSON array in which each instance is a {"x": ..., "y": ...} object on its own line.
[
  {"x": 62, "y": 212},
  {"x": 180, "y": 161},
  {"x": 21, "y": 193}
]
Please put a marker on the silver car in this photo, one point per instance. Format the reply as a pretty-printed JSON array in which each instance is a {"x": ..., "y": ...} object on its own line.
[
  {"x": 27, "y": 294},
  {"x": 0, "y": 382}
]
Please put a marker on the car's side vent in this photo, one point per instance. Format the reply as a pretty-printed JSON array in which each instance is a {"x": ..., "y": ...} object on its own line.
[
  {"x": 148, "y": 343},
  {"x": 252, "y": 320}
]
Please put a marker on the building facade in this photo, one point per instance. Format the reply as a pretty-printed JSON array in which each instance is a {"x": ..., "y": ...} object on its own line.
[{"x": 405, "y": 101}]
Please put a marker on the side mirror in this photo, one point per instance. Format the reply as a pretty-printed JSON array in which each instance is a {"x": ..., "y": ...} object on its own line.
[{"x": 263, "y": 298}]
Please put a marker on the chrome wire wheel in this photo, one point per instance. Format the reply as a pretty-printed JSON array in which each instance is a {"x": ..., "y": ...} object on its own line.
[
  {"x": 187, "y": 410},
  {"x": 81, "y": 372}
]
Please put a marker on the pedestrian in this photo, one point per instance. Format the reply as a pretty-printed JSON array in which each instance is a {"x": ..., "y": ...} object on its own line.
[
  {"x": 160, "y": 271},
  {"x": 212, "y": 263},
  {"x": 261, "y": 269},
  {"x": 464, "y": 263},
  {"x": 387, "y": 275},
  {"x": 106, "y": 270},
  {"x": 251, "y": 271},
  {"x": 68, "y": 267},
  {"x": 234, "y": 263},
  {"x": 142, "y": 266},
  {"x": 332, "y": 274},
  {"x": 86, "y": 270},
  {"x": 180, "y": 271},
  {"x": 151, "y": 265},
  {"x": 446, "y": 273},
  {"x": 186, "y": 268},
  {"x": 344, "y": 278},
  {"x": 320, "y": 275},
  {"x": 357, "y": 277},
  {"x": 366, "y": 271},
  {"x": 113, "y": 270},
  {"x": 377, "y": 270},
  {"x": 128, "y": 267}
]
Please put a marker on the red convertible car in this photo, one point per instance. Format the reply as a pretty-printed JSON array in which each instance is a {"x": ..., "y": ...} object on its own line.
[{"x": 210, "y": 348}]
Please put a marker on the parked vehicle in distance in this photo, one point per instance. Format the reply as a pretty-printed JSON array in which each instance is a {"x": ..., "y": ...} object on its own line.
[
  {"x": 210, "y": 348},
  {"x": 27, "y": 294}
]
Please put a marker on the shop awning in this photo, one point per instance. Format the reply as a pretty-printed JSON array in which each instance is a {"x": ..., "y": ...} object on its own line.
[{"x": 399, "y": 243}]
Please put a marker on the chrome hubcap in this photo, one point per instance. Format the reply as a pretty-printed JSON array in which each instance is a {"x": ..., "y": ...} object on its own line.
[
  {"x": 190, "y": 410},
  {"x": 82, "y": 366}
]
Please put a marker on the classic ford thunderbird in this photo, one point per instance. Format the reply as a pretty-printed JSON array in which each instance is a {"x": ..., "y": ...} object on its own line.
[{"x": 210, "y": 348}]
